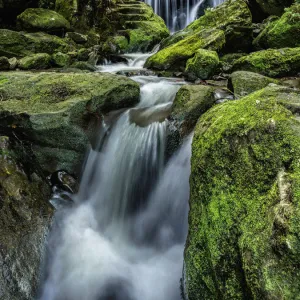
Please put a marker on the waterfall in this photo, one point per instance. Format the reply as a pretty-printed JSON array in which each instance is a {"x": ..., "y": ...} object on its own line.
[
  {"x": 178, "y": 13},
  {"x": 123, "y": 238}
]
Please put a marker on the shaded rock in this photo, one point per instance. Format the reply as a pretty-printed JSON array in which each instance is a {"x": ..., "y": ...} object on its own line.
[
  {"x": 243, "y": 240},
  {"x": 57, "y": 111},
  {"x": 13, "y": 63},
  {"x": 77, "y": 37},
  {"x": 272, "y": 62},
  {"x": 83, "y": 65},
  {"x": 204, "y": 64},
  {"x": 40, "y": 19},
  {"x": 227, "y": 61},
  {"x": 38, "y": 61},
  {"x": 25, "y": 216},
  {"x": 19, "y": 44},
  {"x": 60, "y": 59},
  {"x": 243, "y": 83},
  {"x": 282, "y": 32},
  {"x": 4, "y": 63},
  {"x": 190, "y": 103},
  {"x": 274, "y": 7}
]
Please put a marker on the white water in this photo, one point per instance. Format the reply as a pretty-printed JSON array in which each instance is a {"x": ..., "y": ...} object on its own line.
[{"x": 124, "y": 237}]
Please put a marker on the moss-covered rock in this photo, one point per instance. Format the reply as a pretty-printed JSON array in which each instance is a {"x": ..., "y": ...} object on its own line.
[
  {"x": 243, "y": 240},
  {"x": 38, "y": 61},
  {"x": 83, "y": 65},
  {"x": 227, "y": 61},
  {"x": 282, "y": 32},
  {"x": 53, "y": 110},
  {"x": 190, "y": 103},
  {"x": 20, "y": 44},
  {"x": 77, "y": 37},
  {"x": 60, "y": 59},
  {"x": 40, "y": 19},
  {"x": 175, "y": 56},
  {"x": 229, "y": 24},
  {"x": 271, "y": 62},
  {"x": 4, "y": 63},
  {"x": 204, "y": 64},
  {"x": 25, "y": 216},
  {"x": 243, "y": 83},
  {"x": 274, "y": 7}
]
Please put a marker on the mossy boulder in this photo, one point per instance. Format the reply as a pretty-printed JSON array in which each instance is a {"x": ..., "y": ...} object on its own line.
[
  {"x": 176, "y": 56},
  {"x": 4, "y": 63},
  {"x": 190, "y": 103},
  {"x": 271, "y": 62},
  {"x": 243, "y": 240},
  {"x": 227, "y": 61},
  {"x": 25, "y": 217},
  {"x": 60, "y": 59},
  {"x": 204, "y": 64},
  {"x": 242, "y": 83},
  {"x": 274, "y": 7},
  {"x": 229, "y": 24},
  {"x": 40, "y": 19},
  {"x": 77, "y": 37},
  {"x": 38, "y": 61},
  {"x": 282, "y": 32},
  {"x": 20, "y": 44},
  {"x": 57, "y": 111}
]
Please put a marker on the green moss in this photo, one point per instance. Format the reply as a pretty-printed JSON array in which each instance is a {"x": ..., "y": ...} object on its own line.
[
  {"x": 61, "y": 59},
  {"x": 204, "y": 64},
  {"x": 36, "y": 61},
  {"x": 272, "y": 62},
  {"x": 67, "y": 8},
  {"x": 40, "y": 19},
  {"x": 175, "y": 56},
  {"x": 243, "y": 208},
  {"x": 282, "y": 32}
]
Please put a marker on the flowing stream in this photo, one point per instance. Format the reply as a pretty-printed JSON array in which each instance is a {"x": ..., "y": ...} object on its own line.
[{"x": 123, "y": 238}]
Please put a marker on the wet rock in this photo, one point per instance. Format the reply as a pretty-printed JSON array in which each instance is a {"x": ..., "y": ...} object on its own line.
[
  {"x": 243, "y": 83},
  {"x": 38, "y": 61},
  {"x": 40, "y": 19},
  {"x": 244, "y": 200}
]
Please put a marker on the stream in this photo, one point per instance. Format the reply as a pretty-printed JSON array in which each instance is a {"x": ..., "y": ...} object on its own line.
[{"x": 123, "y": 238}]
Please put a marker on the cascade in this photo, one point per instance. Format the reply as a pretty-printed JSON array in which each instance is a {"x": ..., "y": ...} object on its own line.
[
  {"x": 123, "y": 238},
  {"x": 178, "y": 13}
]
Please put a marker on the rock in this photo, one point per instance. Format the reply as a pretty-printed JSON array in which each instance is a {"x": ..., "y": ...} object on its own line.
[
  {"x": 40, "y": 19},
  {"x": 13, "y": 63},
  {"x": 227, "y": 33},
  {"x": 38, "y": 61},
  {"x": 227, "y": 61},
  {"x": 83, "y": 54},
  {"x": 61, "y": 59},
  {"x": 19, "y": 44},
  {"x": 282, "y": 32},
  {"x": 274, "y": 7},
  {"x": 243, "y": 240},
  {"x": 58, "y": 111},
  {"x": 243, "y": 83},
  {"x": 78, "y": 38},
  {"x": 190, "y": 103},
  {"x": 83, "y": 65},
  {"x": 204, "y": 64},
  {"x": 271, "y": 62},
  {"x": 25, "y": 217},
  {"x": 4, "y": 63},
  {"x": 67, "y": 8},
  {"x": 175, "y": 56}
]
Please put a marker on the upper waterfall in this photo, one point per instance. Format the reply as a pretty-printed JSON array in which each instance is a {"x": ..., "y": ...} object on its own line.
[{"x": 180, "y": 13}]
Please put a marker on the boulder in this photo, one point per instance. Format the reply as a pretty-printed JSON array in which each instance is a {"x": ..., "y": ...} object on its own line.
[
  {"x": 25, "y": 217},
  {"x": 40, "y": 19},
  {"x": 231, "y": 34},
  {"x": 190, "y": 103},
  {"x": 4, "y": 63},
  {"x": 61, "y": 59},
  {"x": 77, "y": 37},
  {"x": 227, "y": 61},
  {"x": 274, "y": 7},
  {"x": 271, "y": 62},
  {"x": 56, "y": 112},
  {"x": 242, "y": 83},
  {"x": 13, "y": 63},
  {"x": 243, "y": 240},
  {"x": 204, "y": 64},
  {"x": 83, "y": 65},
  {"x": 282, "y": 32},
  {"x": 20, "y": 44},
  {"x": 38, "y": 61}
]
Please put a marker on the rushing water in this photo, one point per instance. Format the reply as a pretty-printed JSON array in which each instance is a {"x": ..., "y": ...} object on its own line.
[
  {"x": 123, "y": 238},
  {"x": 180, "y": 13}
]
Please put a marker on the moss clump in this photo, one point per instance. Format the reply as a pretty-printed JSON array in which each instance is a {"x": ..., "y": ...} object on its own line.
[
  {"x": 175, "y": 56},
  {"x": 243, "y": 240},
  {"x": 243, "y": 83},
  {"x": 60, "y": 59},
  {"x": 40, "y": 19},
  {"x": 282, "y": 32},
  {"x": 204, "y": 64},
  {"x": 272, "y": 62},
  {"x": 38, "y": 61}
]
